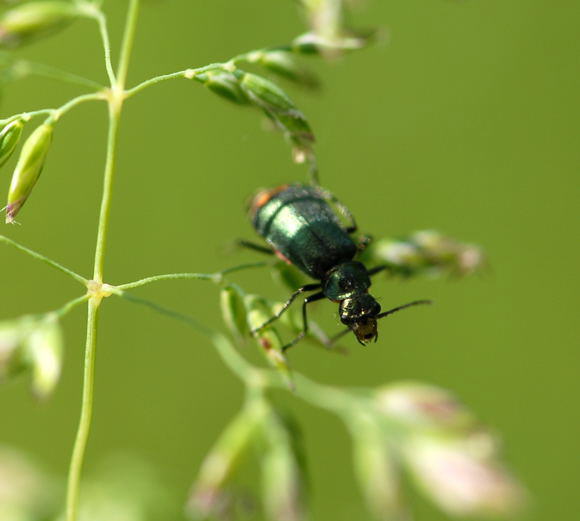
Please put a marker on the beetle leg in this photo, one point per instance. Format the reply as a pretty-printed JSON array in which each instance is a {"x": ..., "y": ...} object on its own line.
[
  {"x": 307, "y": 287},
  {"x": 377, "y": 269},
  {"x": 342, "y": 208},
  {"x": 363, "y": 242},
  {"x": 253, "y": 246},
  {"x": 307, "y": 300}
]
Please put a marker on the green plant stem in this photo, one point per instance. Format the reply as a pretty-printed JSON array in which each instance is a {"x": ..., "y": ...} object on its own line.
[
  {"x": 102, "y": 22},
  {"x": 190, "y": 73},
  {"x": 127, "y": 45},
  {"x": 23, "y": 68},
  {"x": 324, "y": 396},
  {"x": 57, "y": 113},
  {"x": 216, "y": 277},
  {"x": 83, "y": 431},
  {"x": 103, "y": 226},
  {"x": 186, "y": 73},
  {"x": 44, "y": 259},
  {"x": 115, "y": 106},
  {"x": 69, "y": 306}
]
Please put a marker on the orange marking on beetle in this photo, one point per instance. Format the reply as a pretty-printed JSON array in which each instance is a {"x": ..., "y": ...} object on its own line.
[
  {"x": 282, "y": 257},
  {"x": 264, "y": 196}
]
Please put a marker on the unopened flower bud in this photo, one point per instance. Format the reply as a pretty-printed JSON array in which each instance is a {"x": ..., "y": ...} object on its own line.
[
  {"x": 462, "y": 481},
  {"x": 9, "y": 138},
  {"x": 234, "y": 312},
  {"x": 399, "y": 254},
  {"x": 44, "y": 347},
  {"x": 446, "y": 253},
  {"x": 11, "y": 336},
  {"x": 209, "y": 492},
  {"x": 224, "y": 84},
  {"x": 282, "y": 487},
  {"x": 281, "y": 110},
  {"x": 377, "y": 469},
  {"x": 28, "y": 169},
  {"x": 27, "y": 22},
  {"x": 311, "y": 43},
  {"x": 267, "y": 338},
  {"x": 265, "y": 93},
  {"x": 283, "y": 63},
  {"x": 422, "y": 405}
]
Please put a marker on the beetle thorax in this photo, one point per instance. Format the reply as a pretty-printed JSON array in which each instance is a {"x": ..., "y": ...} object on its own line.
[{"x": 345, "y": 281}]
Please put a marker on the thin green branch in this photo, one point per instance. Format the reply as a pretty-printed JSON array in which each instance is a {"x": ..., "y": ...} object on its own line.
[
  {"x": 324, "y": 396},
  {"x": 186, "y": 74},
  {"x": 93, "y": 10},
  {"x": 63, "y": 109},
  {"x": 191, "y": 73},
  {"x": 23, "y": 68},
  {"x": 103, "y": 29},
  {"x": 216, "y": 277},
  {"x": 127, "y": 45},
  {"x": 115, "y": 106},
  {"x": 82, "y": 436},
  {"x": 44, "y": 259},
  {"x": 56, "y": 113},
  {"x": 107, "y": 195},
  {"x": 69, "y": 306},
  {"x": 244, "y": 370}
]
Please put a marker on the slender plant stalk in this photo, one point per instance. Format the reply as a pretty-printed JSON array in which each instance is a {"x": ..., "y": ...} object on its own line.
[
  {"x": 103, "y": 226},
  {"x": 44, "y": 259},
  {"x": 216, "y": 277},
  {"x": 115, "y": 100},
  {"x": 102, "y": 21},
  {"x": 82, "y": 436}
]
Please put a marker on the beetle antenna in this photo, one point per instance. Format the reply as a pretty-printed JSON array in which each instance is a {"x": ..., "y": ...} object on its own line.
[
  {"x": 404, "y": 306},
  {"x": 334, "y": 338}
]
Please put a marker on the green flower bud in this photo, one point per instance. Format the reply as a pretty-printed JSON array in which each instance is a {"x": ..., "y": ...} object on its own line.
[
  {"x": 420, "y": 405},
  {"x": 9, "y": 138},
  {"x": 28, "y": 169},
  {"x": 27, "y": 22},
  {"x": 234, "y": 312},
  {"x": 209, "y": 495},
  {"x": 11, "y": 337},
  {"x": 281, "y": 477},
  {"x": 445, "y": 253},
  {"x": 284, "y": 64},
  {"x": 401, "y": 255},
  {"x": 44, "y": 347},
  {"x": 281, "y": 110},
  {"x": 330, "y": 47},
  {"x": 268, "y": 338},
  {"x": 462, "y": 480},
  {"x": 265, "y": 93},
  {"x": 224, "y": 84},
  {"x": 376, "y": 470}
]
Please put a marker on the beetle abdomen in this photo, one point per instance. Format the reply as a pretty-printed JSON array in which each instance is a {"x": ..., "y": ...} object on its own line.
[{"x": 302, "y": 227}]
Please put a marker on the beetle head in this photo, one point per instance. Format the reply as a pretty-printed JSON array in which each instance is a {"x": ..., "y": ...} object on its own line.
[{"x": 359, "y": 313}]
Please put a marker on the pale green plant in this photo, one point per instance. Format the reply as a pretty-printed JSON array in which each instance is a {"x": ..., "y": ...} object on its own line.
[{"x": 416, "y": 427}]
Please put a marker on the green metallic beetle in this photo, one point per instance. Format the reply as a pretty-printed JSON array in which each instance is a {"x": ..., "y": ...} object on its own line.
[{"x": 301, "y": 227}]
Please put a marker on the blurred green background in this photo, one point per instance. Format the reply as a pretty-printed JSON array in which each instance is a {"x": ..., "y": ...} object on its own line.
[{"x": 466, "y": 122}]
